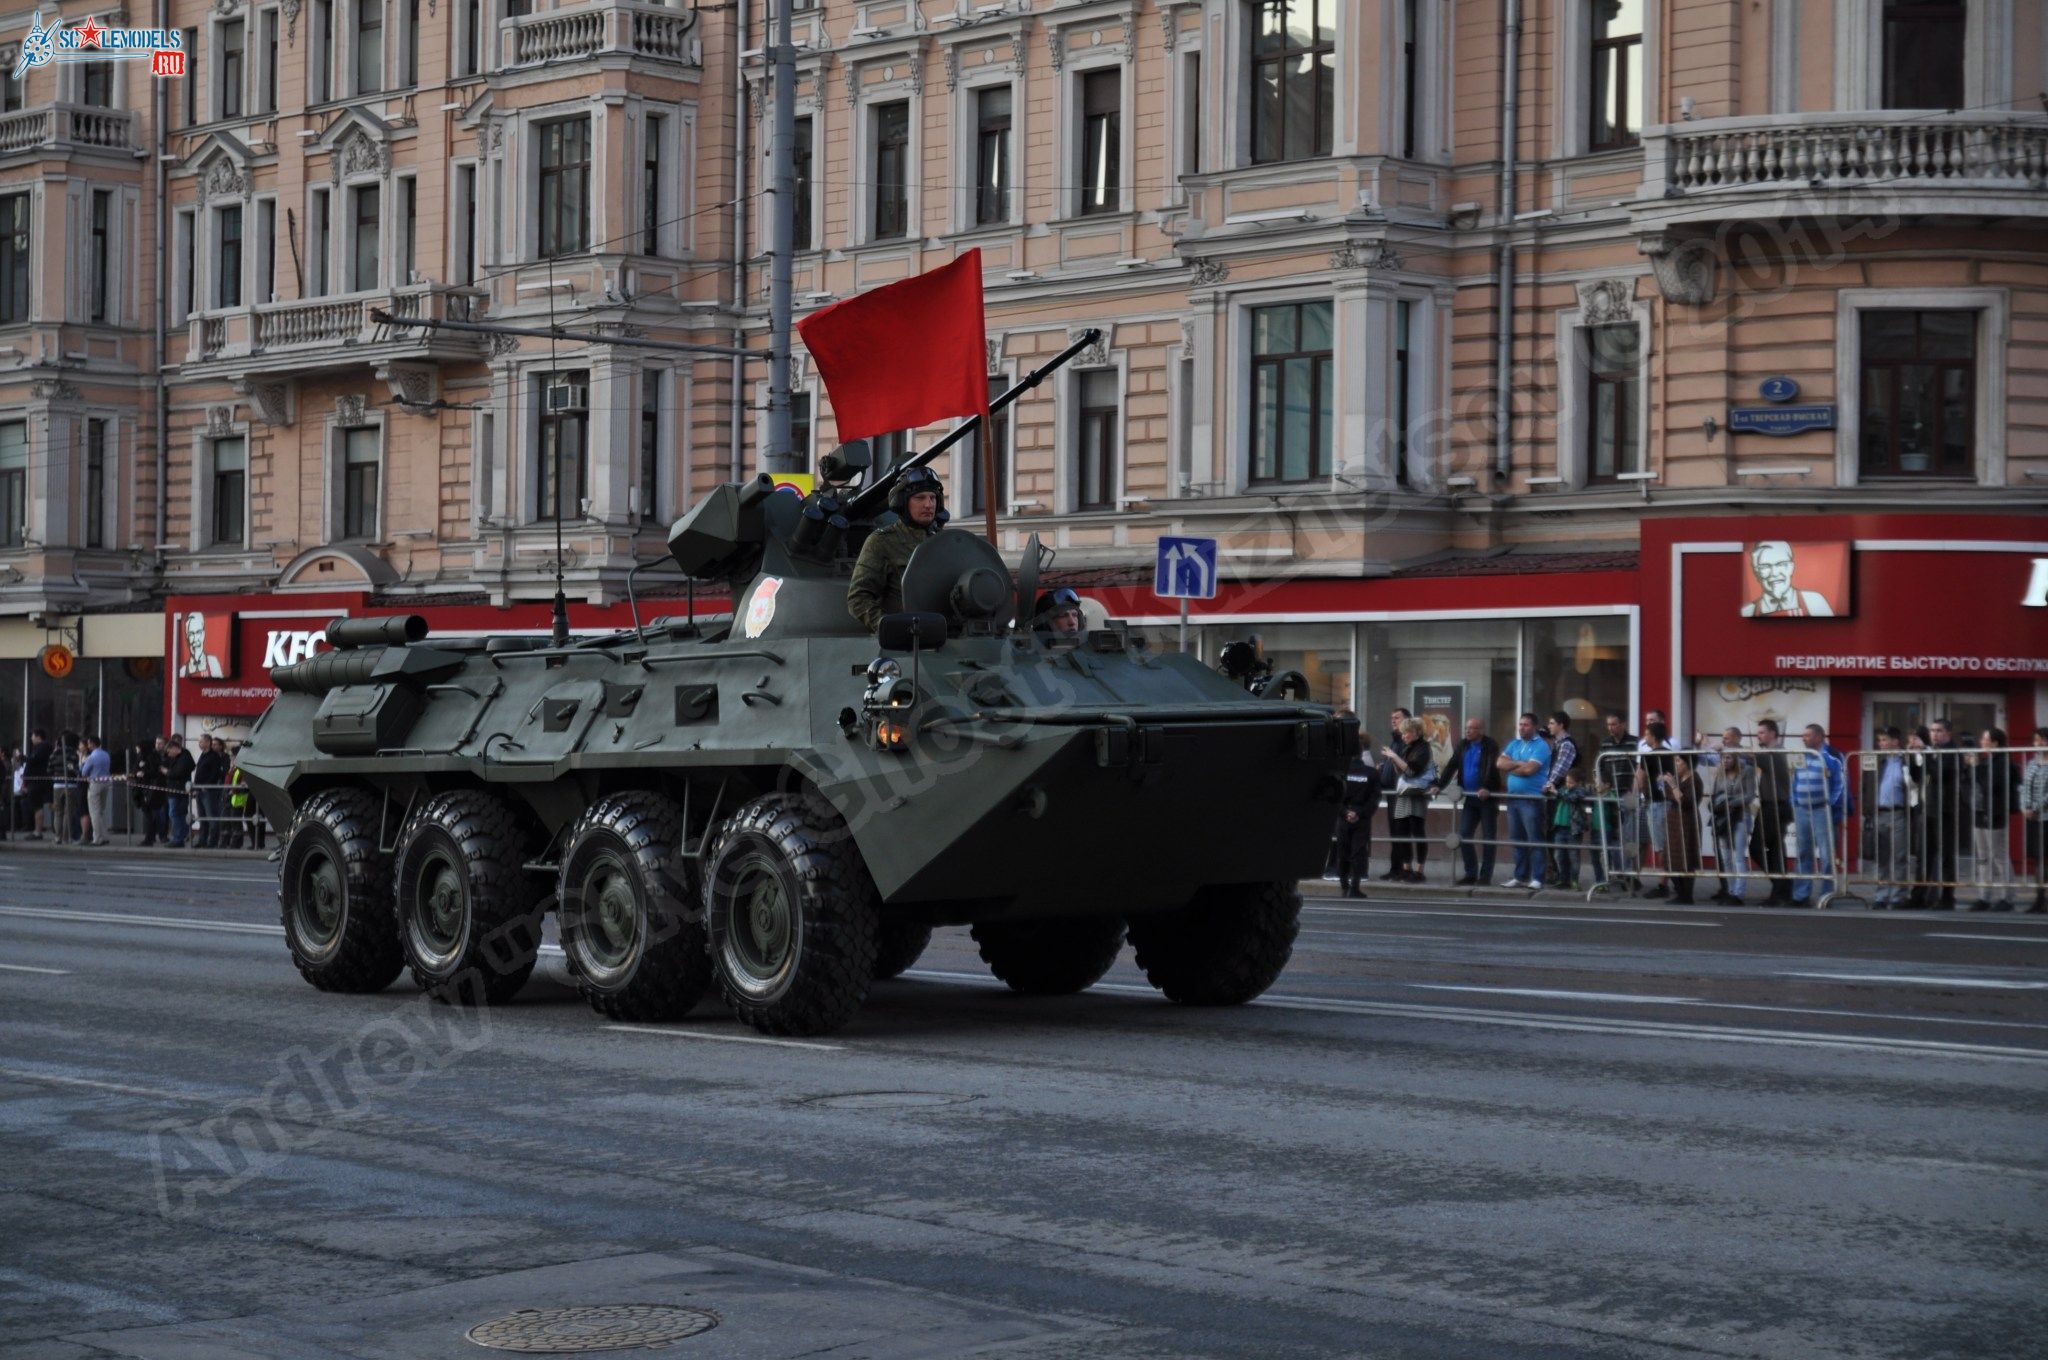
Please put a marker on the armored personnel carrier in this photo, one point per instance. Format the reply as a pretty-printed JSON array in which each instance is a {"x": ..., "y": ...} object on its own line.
[{"x": 780, "y": 808}]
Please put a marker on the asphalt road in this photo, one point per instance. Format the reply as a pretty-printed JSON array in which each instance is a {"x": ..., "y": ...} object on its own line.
[{"x": 1455, "y": 1129}]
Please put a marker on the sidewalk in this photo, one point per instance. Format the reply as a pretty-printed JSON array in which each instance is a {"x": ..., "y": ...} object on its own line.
[{"x": 16, "y": 844}]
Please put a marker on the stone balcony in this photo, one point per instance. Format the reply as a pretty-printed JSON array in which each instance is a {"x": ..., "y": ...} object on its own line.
[
  {"x": 1900, "y": 163},
  {"x": 68, "y": 127},
  {"x": 326, "y": 334},
  {"x": 614, "y": 29}
]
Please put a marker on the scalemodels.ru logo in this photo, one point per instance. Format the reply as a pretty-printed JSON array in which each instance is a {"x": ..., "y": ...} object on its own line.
[{"x": 88, "y": 41}]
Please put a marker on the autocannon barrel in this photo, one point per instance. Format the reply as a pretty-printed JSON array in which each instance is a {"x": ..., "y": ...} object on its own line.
[
  {"x": 329, "y": 670},
  {"x": 378, "y": 632}
]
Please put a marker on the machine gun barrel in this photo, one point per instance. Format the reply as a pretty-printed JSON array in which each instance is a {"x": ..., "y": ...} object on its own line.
[{"x": 871, "y": 499}]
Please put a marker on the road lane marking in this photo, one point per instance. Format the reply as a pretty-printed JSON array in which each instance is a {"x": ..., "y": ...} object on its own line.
[
  {"x": 116, "y": 1087},
  {"x": 1650, "y": 1029},
  {"x": 1908, "y": 980},
  {"x": 2000, "y": 939},
  {"x": 1557, "y": 995},
  {"x": 124, "y": 919},
  {"x": 1514, "y": 916},
  {"x": 24, "y": 968},
  {"x": 723, "y": 1038},
  {"x": 1375, "y": 935}
]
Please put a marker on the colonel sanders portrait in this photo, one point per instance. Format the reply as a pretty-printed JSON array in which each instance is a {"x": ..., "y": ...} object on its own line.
[
  {"x": 197, "y": 660},
  {"x": 1773, "y": 565}
]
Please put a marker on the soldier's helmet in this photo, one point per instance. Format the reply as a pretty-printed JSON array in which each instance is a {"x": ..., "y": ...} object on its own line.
[{"x": 916, "y": 482}]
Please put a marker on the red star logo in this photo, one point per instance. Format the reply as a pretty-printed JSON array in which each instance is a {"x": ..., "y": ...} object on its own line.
[{"x": 89, "y": 36}]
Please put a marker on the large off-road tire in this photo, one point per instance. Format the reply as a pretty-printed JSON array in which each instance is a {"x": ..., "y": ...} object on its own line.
[
  {"x": 468, "y": 912},
  {"x": 1224, "y": 947},
  {"x": 1054, "y": 957},
  {"x": 632, "y": 924},
  {"x": 792, "y": 915},
  {"x": 902, "y": 944},
  {"x": 335, "y": 894}
]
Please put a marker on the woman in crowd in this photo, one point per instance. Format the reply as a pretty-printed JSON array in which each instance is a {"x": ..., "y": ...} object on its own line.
[
  {"x": 1681, "y": 808},
  {"x": 1415, "y": 767},
  {"x": 1994, "y": 798}
]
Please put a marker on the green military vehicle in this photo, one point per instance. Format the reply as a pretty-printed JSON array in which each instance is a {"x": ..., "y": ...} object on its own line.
[{"x": 781, "y": 807}]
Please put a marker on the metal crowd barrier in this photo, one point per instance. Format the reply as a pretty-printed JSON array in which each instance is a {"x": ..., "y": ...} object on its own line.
[
  {"x": 1950, "y": 825},
  {"x": 206, "y": 805}
]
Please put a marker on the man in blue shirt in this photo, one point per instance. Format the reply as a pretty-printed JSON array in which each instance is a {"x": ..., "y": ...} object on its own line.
[
  {"x": 1476, "y": 767},
  {"x": 1524, "y": 762},
  {"x": 1896, "y": 851},
  {"x": 1820, "y": 803},
  {"x": 97, "y": 770}
]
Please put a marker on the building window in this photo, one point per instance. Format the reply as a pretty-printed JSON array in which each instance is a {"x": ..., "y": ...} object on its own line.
[
  {"x": 266, "y": 57},
  {"x": 227, "y": 258},
  {"x": 887, "y": 450},
  {"x": 650, "y": 190},
  {"x": 1291, "y": 391},
  {"x": 318, "y": 233},
  {"x": 230, "y": 480},
  {"x": 1101, "y": 141},
  {"x": 996, "y": 430},
  {"x": 13, "y": 483},
  {"x": 1191, "y": 120},
  {"x": 1411, "y": 96},
  {"x": 229, "y": 95},
  {"x": 800, "y": 156},
  {"x": 992, "y": 155},
  {"x": 369, "y": 46},
  {"x": 1294, "y": 78},
  {"x": 1617, "y": 92},
  {"x": 1095, "y": 440},
  {"x": 1923, "y": 54},
  {"x": 189, "y": 98},
  {"x": 891, "y": 124},
  {"x": 1919, "y": 393},
  {"x": 95, "y": 483},
  {"x": 800, "y": 426},
  {"x": 465, "y": 218},
  {"x": 320, "y": 52},
  {"x": 564, "y": 436},
  {"x": 564, "y": 186},
  {"x": 188, "y": 252},
  {"x": 359, "y": 458},
  {"x": 1404, "y": 387},
  {"x": 266, "y": 250},
  {"x": 1614, "y": 438},
  {"x": 410, "y": 74},
  {"x": 362, "y": 274},
  {"x": 12, "y": 93},
  {"x": 14, "y": 259},
  {"x": 472, "y": 37},
  {"x": 96, "y": 84},
  {"x": 408, "y": 230},
  {"x": 650, "y": 441},
  {"x": 102, "y": 250}
]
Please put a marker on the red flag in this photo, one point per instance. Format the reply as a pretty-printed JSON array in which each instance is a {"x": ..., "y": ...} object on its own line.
[{"x": 905, "y": 354}]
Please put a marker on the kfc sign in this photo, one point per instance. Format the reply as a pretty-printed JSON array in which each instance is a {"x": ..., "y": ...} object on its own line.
[
  {"x": 288, "y": 646},
  {"x": 207, "y": 646},
  {"x": 2037, "y": 586}
]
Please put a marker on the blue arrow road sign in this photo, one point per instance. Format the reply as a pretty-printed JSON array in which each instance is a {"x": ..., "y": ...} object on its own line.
[{"x": 1186, "y": 569}]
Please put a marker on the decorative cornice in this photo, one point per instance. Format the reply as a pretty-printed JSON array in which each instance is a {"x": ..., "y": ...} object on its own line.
[
  {"x": 1365, "y": 255},
  {"x": 291, "y": 23},
  {"x": 1210, "y": 272},
  {"x": 270, "y": 402},
  {"x": 1056, "y": 45},
  {"x": 1095, "y": 355},
  {"x": 54, "y": 389},
  {"x": 220, "y": 421},
  {"x": 952, "y": 59},
  {"x": 351, "y": 408},
  {"x": 1684, "y": 268}
]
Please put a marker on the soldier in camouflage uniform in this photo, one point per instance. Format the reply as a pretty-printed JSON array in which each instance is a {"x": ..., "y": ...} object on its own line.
[{"x": 877, "y": 587}]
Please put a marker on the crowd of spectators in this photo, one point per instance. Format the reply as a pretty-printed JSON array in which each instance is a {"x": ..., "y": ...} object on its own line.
[
  {"x": 1648, "y": 816},
  {"x": 67, "y": 790}
]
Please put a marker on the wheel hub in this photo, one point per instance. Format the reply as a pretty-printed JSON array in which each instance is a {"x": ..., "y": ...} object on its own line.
[
  {"x": 611, "y": 918},
  {"x": 763, "y": 931},
  {"x": 441, "y": 903},
  {"x": 320, "y": 898}
]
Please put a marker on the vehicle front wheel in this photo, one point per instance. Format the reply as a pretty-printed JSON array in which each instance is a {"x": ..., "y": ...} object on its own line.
[
  {"x": 631, "y": 925},
  {"x": 468, "y": 909},
  {"x": 1054, "y": 957},
  {"x": 1224, "y": 947},
  {"x": 335, "y": 894},
  {"x": 792, "y": 914}
]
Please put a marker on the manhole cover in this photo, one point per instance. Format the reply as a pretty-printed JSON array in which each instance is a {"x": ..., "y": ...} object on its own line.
[
  {"x": 605, "y": 1327},
  {"x": 888, "y": 1100}
]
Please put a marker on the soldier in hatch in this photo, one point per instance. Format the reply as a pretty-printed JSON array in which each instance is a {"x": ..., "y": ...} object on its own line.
[
  {"x": 1058, "y": 614},
  {"x": 918, "y": 499}
]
